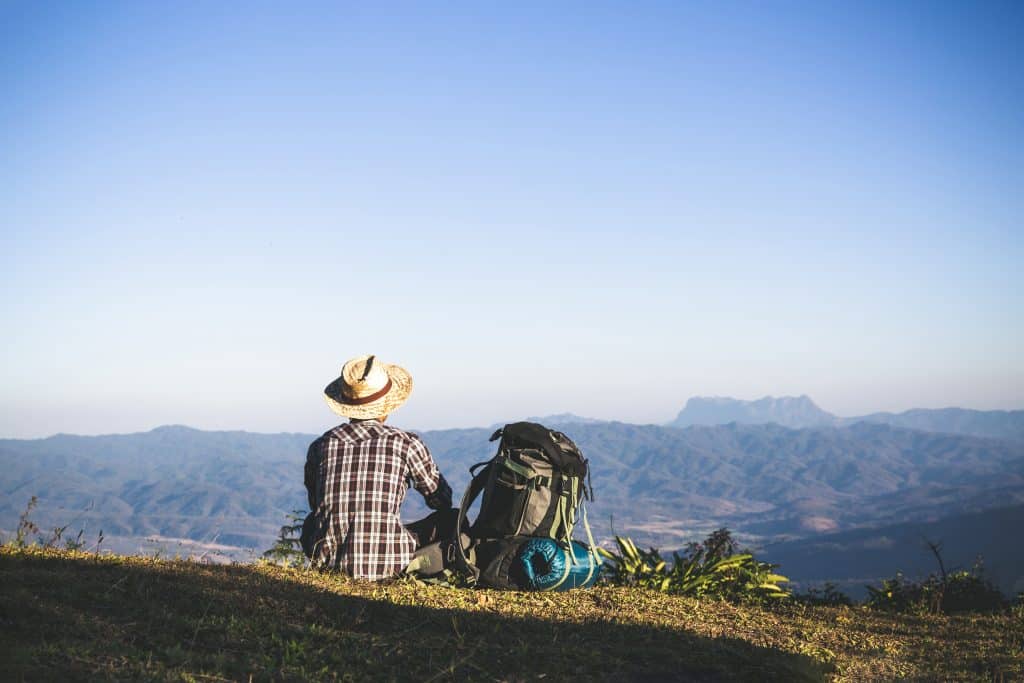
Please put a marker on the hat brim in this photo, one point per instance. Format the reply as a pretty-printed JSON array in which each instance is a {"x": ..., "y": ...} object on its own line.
[{"x": 401, "y": 387}]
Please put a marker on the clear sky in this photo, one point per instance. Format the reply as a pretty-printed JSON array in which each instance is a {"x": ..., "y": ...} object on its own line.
[{"x": 603, "y": 208}]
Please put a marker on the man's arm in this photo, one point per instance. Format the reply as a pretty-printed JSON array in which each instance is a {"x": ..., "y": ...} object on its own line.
[
  {"x": 312, "y": 473},
  {"x": 441, "y": 498},
  {"x": 426, "y": 477}
]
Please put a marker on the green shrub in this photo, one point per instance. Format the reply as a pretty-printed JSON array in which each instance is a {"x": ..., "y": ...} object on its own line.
[
  {"x": 970, "y": 591},
  {"x": 287, "y": 549},
  {"x": 828, "y": 595},
  {"x": 895, "y": 595},
  {"x": 713, "y": 568},
  {"x": 953, "y": 593}
]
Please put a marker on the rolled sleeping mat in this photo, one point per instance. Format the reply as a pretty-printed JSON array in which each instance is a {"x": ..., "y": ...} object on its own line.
[{"x": 545, "y": 565}]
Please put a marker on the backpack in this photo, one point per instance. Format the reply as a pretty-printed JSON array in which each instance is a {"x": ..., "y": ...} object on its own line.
[{"x": 533, "y": 488}]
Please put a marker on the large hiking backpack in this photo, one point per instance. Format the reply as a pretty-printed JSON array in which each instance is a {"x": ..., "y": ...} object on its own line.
[{"x": 533, "y": 488}]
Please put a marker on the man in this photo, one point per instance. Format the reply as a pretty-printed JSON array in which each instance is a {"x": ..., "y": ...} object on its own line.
[{"x": 357, "y": 474}]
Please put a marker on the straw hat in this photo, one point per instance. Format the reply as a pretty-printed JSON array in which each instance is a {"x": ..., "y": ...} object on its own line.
[{"x": 368, "y": 388}]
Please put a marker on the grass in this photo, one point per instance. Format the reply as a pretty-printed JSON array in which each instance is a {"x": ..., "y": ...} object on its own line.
[{"x": 68, "y": 615}]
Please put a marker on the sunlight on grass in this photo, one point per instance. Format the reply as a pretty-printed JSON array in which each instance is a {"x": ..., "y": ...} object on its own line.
[{"x": 73, "y": 614}]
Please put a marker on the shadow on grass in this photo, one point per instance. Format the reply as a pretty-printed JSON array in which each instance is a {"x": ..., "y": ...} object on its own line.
[{"x": 67, "y": 617}]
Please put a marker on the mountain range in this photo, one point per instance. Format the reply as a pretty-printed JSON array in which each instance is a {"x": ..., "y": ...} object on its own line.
[{"x": 183, "y": 490}]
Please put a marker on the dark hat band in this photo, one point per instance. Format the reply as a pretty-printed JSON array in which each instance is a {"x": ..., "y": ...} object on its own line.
[{"x": 367, "y": 399}]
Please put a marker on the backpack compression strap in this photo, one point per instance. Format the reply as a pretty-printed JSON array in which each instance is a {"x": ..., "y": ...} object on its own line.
[{"x": 476, "y": 485}]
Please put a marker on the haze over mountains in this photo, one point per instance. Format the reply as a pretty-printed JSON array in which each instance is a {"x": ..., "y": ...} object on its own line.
[
  {"x": 800, "y": 412},
  {"x": 662, "y": 485}
]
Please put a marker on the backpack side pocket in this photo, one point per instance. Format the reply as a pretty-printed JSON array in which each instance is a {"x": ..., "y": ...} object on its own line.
[{"x": 505, "y": 499}]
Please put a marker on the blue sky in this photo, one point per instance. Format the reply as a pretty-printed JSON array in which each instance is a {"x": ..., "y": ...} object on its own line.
[{"x": 602, "y": 208}]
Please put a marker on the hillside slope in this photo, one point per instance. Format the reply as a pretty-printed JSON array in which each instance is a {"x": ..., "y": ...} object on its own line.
[
  {"x": 72, "y": 616},
  {"x": 852, "y": 559}
]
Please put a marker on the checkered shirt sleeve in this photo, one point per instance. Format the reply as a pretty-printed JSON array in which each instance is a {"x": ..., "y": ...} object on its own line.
[{"x": 356, "y": 478}]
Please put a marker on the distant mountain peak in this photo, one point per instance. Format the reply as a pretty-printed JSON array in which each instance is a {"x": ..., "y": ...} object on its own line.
[
  {"x": 554, "y": 420},
  {"x": 789, "y": 411},
  {"x": 174, "y": 429},
  {"x": 564, "y": 418}
]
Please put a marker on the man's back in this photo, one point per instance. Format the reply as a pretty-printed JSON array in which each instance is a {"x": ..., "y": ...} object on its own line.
[{"x": 356, "y": 477}]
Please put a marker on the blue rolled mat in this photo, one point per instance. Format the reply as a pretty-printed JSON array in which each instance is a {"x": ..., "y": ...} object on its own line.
[{"x": 546, "y": 566}]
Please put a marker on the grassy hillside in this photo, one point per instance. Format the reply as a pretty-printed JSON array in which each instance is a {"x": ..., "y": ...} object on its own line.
[{"x": 74, "y": 616}]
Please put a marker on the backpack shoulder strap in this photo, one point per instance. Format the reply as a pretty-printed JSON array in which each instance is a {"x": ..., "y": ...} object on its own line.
[{"x": 476, "y": 485}]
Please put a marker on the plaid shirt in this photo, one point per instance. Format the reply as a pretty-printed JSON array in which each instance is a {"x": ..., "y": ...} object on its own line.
[{"x": 356, "y": 478}]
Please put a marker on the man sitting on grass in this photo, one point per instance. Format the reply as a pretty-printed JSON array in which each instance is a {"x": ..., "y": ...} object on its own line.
[{"x": 357, "y": 474}]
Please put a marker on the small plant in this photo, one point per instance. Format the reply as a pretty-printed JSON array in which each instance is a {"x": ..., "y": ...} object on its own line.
[
  {"x": 26, "y": 526},
  {"x": 895, "y": 595},
  {"x": 828, "y": 595},
  {"x": 287, "y": 550},
  {"x": 69, "y": 543},
  {"x": 711, "y": 568}
]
